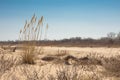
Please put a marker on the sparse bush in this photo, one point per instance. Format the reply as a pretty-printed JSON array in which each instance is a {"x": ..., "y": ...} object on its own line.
[
  {"x": 91, "y": 59},
  {"x": 32, "y": 74},
  {"x": 64, "y": 73},
  {"x": 111, "y": 64},
  {"x": 72, "y": 73},
  {"x": 5, "y": 63}
]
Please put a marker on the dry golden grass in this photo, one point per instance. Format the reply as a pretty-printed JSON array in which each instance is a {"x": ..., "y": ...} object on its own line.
[
  {"x": 55, "y": 63},
  {"x": 31, "y": 33},
  {"x": 82, "y": 66}
]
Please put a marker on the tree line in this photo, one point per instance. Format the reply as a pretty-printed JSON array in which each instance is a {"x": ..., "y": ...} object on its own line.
[{"x": 111, "y": 40}]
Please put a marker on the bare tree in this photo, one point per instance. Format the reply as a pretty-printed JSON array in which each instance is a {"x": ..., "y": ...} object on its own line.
[
  {"x": 111, "y": 35},
  {"x": 118, "y": 36}
]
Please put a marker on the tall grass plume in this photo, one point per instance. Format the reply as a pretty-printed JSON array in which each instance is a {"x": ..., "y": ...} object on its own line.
[{"x": 30, "y": 35}]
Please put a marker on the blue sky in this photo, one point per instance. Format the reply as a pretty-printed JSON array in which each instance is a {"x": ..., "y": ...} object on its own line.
[{"x": 66, "y": 18}]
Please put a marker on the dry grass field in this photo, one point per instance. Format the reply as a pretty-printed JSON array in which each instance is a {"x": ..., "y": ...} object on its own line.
[
  {"x": 59, "y": 39},
  {"x": 61, "y": 63},
  {"x": 28, "y": 61}
]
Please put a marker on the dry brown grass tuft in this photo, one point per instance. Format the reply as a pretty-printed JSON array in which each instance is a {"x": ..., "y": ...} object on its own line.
[
  {"x": 6, "y": 63},
  {"x": 111, "y": 64},
  {"x": 28, "y": 58},
  {"x": 31, "y": 33}
]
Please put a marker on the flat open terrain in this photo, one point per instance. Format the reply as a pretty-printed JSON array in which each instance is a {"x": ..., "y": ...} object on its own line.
[
  {"x": 55, "y": 63},
  {"x": 82, "y": 50}
]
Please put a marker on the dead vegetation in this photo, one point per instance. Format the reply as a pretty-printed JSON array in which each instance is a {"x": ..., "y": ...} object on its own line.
[
  {"x": 31, "y": 33},
  {"x": 91, "y": 66},
  {"x": 33, "y": 64}
]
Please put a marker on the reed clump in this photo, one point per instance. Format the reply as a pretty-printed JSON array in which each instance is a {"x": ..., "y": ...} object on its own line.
[{"x": 30, "y": 35}]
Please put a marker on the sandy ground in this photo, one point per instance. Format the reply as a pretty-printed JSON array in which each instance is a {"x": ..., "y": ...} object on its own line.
[{"x": 20, "y": 71}]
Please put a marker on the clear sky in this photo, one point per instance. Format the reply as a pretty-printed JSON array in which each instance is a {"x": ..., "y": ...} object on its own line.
[{"x": 66, "y": 18}]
